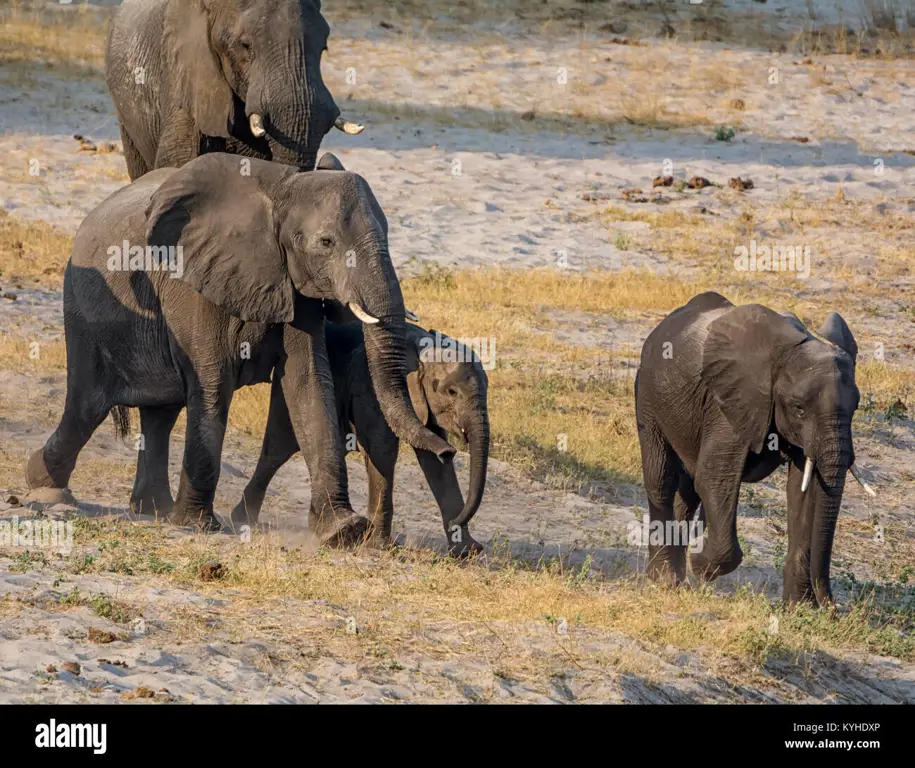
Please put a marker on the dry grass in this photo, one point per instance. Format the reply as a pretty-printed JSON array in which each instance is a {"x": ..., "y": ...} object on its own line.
[
  {"x": 32, "y": 252},
  {"x": 406, "y": 602},
  {"x": 72, "y": 40}
]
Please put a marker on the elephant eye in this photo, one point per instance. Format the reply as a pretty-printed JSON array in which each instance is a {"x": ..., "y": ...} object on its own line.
[
  {"x": 451, "y": 391},
  {"x": 799, "y": 410},
  {"x": 326, "y": 241}
]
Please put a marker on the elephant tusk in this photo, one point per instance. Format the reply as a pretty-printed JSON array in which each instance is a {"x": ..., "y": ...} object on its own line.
[
  {"x": 867, "y": 489},
  {"x": 808, "y": 473},
  {"x": 412, "y": 317},
  {"x": 256, "y": 123},
  {"x": 359, "y": 312},
  {"x": 347, "y": 127}
]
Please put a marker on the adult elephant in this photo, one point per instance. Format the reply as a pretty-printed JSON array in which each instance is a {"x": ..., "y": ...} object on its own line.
[
  {"x": 726, "y": 394},
  {"x": 240, "y": 76},
  {"x": 448, "y": 388},
  {"x": 251, "y": 250}
]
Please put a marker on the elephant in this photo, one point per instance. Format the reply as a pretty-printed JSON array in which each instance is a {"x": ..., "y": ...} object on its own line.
[
  {"x": 449, "y": 394},
  {"x": 189, "y": 77},
  {"x": 726, "y": 394},
  {"x": 229, "y": 262}
]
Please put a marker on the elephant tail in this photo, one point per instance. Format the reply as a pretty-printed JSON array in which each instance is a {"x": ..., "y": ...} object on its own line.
[{"x": 120, "y": 415}]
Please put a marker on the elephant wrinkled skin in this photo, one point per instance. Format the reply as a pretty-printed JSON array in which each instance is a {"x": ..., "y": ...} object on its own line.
[
  {"x": 258, "y": 252},
  {"x": 189, "y": 77},
  {"x": 726, "y": 394},
  {"x": 449, "y": 396}
]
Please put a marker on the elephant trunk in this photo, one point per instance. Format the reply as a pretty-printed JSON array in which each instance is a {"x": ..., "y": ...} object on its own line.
[
  {"x": 478, "y": 442},
  {"x": 381, "y": 309},
  {"x": 291, "y": 112},
  {"x": 831, "y": 466},
  {"x": 385, "y": 348}
]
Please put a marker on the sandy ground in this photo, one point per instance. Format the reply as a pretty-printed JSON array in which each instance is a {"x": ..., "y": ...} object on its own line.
[{"x": 459, "y": 192}]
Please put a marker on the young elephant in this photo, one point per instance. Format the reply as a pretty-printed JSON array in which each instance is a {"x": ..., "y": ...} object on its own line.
[
  {"x": 193, "y": 282},
  {"x": 726, "y": 395},
  {"x": 448, "y": 394}
]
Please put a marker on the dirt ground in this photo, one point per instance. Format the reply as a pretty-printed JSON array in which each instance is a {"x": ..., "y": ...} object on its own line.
[{"x": 481, "y": 158}]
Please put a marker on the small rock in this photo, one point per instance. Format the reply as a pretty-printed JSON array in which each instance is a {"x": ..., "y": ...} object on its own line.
[
  {"x": 51, "y": 669},
  {"x": 529, "y": 115},
  {"x": 634, "y": 195},
  {"x": 612, "y": 27},
  {"x": 72, "y": 667},
  {"x": 141, "y": 692},
  {"x": 662, "y": 181},
  {"x": 212, "y": 571},
  {"x": 698, "y": 182},
  {"x": 800, "y": 139},
  {"x": 10, "y": 296},
  {"x": 122, "y": 664},
  {"x": 101, "y": 636},
  {"x": 13, "y": 501},
  {"x": 741, "y": 185},
  {"x": 738, "y": 104}
]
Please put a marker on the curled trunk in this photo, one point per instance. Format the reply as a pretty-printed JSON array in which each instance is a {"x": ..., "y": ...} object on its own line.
[
  {"x": 385, "y": 348},
  {"x": 478, "y": 443}
]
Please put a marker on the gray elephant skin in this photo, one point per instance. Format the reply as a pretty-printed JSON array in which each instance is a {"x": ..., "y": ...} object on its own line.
[
  {"x": 240, "y": 76},
  {"x": 263, "y": 244},
  {"x": 448, "y": 390},
  {"x": 726, "y": 394}
]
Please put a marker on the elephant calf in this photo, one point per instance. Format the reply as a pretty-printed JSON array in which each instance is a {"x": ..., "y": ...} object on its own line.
[
  {"x": 726, "y": 394},
  {"x": 448, "y": 394}
]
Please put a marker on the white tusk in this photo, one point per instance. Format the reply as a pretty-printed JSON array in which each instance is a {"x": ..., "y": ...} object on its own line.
[
  {"x": 867, "y": 489},
  {"x": 347, "y": 127},
  {"x": 256, "y": 123},
  {"x": 413, "y": 318},
  {"x": 808, "y": 473},
  {"x": 364, "y": 316}
]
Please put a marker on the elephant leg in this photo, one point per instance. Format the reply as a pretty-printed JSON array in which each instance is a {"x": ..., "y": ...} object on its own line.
[
  {"x": 798, "y": 585},
  {"x": 136, "y": 165},
  {"x": 151, "y": 492},
  {"x": 206, "y": 428},
  {"x": 380, "y": 465},
  {"x": 52, "y": 465},
  {"x": 278, "y": 447},
  {"x": 718, "y": 475},
  {"x": 443, "y": 482},
  {"x": 661, "y": 473},
  {"x": 308, "y": 388}
]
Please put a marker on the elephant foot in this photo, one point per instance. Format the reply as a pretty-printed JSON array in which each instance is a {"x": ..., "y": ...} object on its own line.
[
  {"x": 708, "y": 568},
  {"x": 243, "y": 514},
  {"x": 201, "y": 518},
  {"x": 149, "y": 505},
  {"x": 37, "y": 474},
  {"x": 344, "y": 529},
  {"x": 465, "y": 547},
  {"x": 667, "y": 567}
]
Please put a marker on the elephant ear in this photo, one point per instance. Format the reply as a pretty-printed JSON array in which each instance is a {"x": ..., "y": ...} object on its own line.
[
  {"x": 836, "y": 330},
  {"x": 203, "y": 90},
  {"x": 741, "y": 353},
  {"x": 329, "y": 162},
  {"x": 418, "y": 340},
  {"x": 223, "y": 222}
]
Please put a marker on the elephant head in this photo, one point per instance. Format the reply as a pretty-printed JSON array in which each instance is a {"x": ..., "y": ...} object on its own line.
[
  {"x": 766, "y": 368},
  {"x": 256, "y": 233},
  {"x": 448, "y": 388},
  {"x": 251, "y": 70}
]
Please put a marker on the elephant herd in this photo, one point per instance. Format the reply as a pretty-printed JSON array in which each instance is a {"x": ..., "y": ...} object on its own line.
[{"x": 236, "y": 256}]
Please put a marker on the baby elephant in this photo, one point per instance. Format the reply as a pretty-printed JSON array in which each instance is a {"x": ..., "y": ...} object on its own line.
[{"x": 447, "y": 386}]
